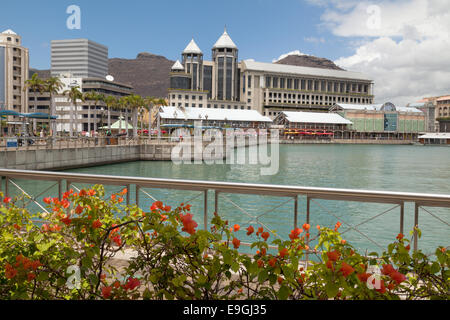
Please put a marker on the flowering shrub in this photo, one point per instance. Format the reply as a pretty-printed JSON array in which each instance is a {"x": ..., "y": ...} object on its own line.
[{"x": 74, "y": 252}]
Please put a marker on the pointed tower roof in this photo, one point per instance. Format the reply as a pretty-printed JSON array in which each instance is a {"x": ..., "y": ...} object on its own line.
[
  {"x": 225, "y": 41},
  {"x": 192, "y": 47},
  {"x": 177, "y": 66},
  {"x": 9, "y": 31}
]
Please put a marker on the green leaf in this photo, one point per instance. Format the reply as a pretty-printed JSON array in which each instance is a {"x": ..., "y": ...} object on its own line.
[
  {"x": 284, "y": 292},
  {"x": 331, "y": 289},
  {"x": 435, "y": 268},
  {"x": 262, "y": 276}
]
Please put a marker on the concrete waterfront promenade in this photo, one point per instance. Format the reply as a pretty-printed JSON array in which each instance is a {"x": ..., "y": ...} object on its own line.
[
  {"x": 69, "y": 153},
  {"x": 84, "y": 152}
]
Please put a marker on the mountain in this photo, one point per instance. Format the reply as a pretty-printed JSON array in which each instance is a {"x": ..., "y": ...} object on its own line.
[
  {"x": 148, "y": 73},
  {"x": 308, "y": 61}
]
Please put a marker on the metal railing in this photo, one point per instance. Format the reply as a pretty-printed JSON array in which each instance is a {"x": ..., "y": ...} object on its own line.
[{"x": 65, "y": 181}]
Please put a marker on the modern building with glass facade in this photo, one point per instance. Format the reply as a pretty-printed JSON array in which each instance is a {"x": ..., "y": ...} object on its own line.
[
  {"x": 382, "y": 120},
  {"x": 269, "y": 88},
  {"x": 82, "y": 58},
  {"x": 14, "y": 65}
]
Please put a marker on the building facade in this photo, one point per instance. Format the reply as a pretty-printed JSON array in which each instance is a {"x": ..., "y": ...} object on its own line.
[
  {"x": 226, "y": 83},
  {"x": 382, "y": 120},
  {"x": 14, "y": 65},
  {"x": 64, "y": 108},
  {"x": 82, "y": 58}
]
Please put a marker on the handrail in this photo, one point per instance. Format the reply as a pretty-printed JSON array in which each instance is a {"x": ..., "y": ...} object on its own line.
[{"x": 438, "y": 200}]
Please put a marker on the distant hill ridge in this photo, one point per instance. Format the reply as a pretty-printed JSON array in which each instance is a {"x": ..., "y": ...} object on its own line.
[{"x": 149, "y": 73}]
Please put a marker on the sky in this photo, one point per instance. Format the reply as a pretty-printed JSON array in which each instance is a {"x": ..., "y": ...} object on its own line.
[{"x": 403, "y": 45}]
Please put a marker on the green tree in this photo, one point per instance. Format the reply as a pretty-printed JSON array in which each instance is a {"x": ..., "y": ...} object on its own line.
[
  {"x": 53, "y": 86},
  {"x": 74, "y": 94},
  {"x": 35, "y": 84}
]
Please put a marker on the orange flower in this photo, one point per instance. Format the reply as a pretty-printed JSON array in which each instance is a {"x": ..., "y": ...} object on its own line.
[
  {"x": 120, "y": 200},
  {"x": 79, "y": 209},
  {"x": 31, "y": 276},
  {"x": 265, "y": 235},
  {"x": 329, "y": 265},
  {"x": 400, "y": 236},
  {"x": 337, "y": 226},
  {"x": 83, "y": 193},
  {"x": 260, "y": 263},
  {"x": 45, "y": 227},
  {"x": 10, "y": 272},
  {"x": 346, "y": 269},
  {"x": 263, "y": 251},
  {"x": 280, "y": 280},
  {"x": 284, "y": 252},
  {"x": 236, "y": 243},
  {"x": 67, "y": 221},
  {"x": 250, "y": 230},
  {"x": 260, "y": 231},
  {"x": 113, "y": 197},
  {"x": 96, "y": 224},
  {"x": 124, "y": 191},
  {"x": 306, "y": 226},
  {"x": 295, "y": 233},
  {"x": 92, "y": 192},
  {"x": 236, "y": 227},
  {"x": 16, "y": 226},
  {"x": 272, "y": 262},
  {"x": 7, "y": 200},
  {"x": 318, "y": 227},
  {"x": 343, "y": 241},
  {"x": 189, "y": 225},
  {"x": 333, "y": 255},
  {"x": 48, "y": 200},
  {"x": 167, "y": 208}
]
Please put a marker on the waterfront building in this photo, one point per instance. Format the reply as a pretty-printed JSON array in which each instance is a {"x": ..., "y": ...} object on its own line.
[
  {"x": 82, "y": 58},
  {"x": 269, "y": 88},
  {"x": 217, "y": 118},
  {"x": 382, "y": 121},
  {"x": 435, "y": 138},
  {"x": 14, "y": 65},
  {"x": 64, "y": 108},
  {"x": 312, "y": 120},
  {"x": 429, "y": 111}
]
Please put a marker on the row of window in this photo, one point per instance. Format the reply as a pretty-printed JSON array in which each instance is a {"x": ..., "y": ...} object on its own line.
[
  {"x": 215, "y": 106},
  {"x": 314, "y": 99},
  {"x": 313, "y": 85},
  {"x": 186, "y": 97}
]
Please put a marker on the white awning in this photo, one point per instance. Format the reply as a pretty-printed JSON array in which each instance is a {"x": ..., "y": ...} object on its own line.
[
  {"x": 315, "y": 117},
  {"x": 212, "y": 114}
]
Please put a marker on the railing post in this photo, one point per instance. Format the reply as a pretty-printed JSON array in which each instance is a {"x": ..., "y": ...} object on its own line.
[
  {"x": 205, "y": 209},
  {"x": 60, "y": 189},
  {"x": 216, "y": 201},
  {"x": 137, "y": 195},
  {"x": 308, "y": 204},
  {"x": 128, "y": 194},
  {"x": 296, "y": 212},
  {"x": 416, "y": 225},
  {"x": 402, "y": 216},
  {"x": 6, "y": 187}
]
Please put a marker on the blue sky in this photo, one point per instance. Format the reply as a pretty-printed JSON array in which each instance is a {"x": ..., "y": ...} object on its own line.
[{"x": 262, "y": 29}]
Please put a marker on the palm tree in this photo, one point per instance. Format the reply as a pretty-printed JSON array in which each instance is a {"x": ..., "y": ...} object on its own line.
[
  {"x": 98, "y": 98},
  {"x": 135, "y": 102},
  {"x": 110, "y": 102},
  {"x": 160, "y": 102},
  {"x": 34, "y": 84},
  {"x": 74, "y": 95},
  {"x": 53, "y": 86}
]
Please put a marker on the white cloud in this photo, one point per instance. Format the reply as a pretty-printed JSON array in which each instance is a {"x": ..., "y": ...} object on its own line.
[
  {"x": 292, "y": 53},
  {"x": 314, "y": 40},
  {"x": 405, "y": 47}
]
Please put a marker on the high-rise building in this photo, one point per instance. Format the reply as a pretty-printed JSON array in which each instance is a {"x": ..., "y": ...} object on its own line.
[
  {"x": 14, "y": 64},
  {"x": 81, "y": 58},
  {"x": 269, "y": 88}
]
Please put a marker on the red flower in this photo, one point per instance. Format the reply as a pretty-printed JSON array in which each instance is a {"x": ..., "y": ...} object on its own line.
[
  {"x": 48, "y": 200},
  {"x": 280, "y": 280},
  {"x": 7, "y": 200},
  {"x": 96, "y": 224},
  {"x": 346, "y": 269},
  {"x": 388, "y": 269},
  {"x": 67, "y": 221},
  {"x": 284, "y": 252},
  {"x": 16, "y": 226},
  {"x": 10, "y": 272},
  {"x": 236, "y": 227},
  {"x": 83, "y": 193},
  {"x": 124, "y": 191},
  {"x": 329, "y": 265},
  {"x": 117, "y": 240},
  {"x": 400, "y": 236},
  {"x": 272, "y": 262},
  {"x": 167, "y": 208},
  {"x": 131, "y": 284},
  {"x": 106, "y": 292},
  {"x": 79, "y": 209},
  {"x": 398, "y": 277},
  {"x": 236, "y": 243},
  {"x": 92, "y": 192},
  {"x": 363, "y": 276},
  {"x": 265, "y": 235},
  {"x": 333, "y": 255},
  {"x": 189, "y": 225},
  {"x": 306, "y": 226},
  {"x": 409, "y": 247},
  {"x": 260, "y": 263},
  {"x": 250, "y": 230},
  {"x": 45, "y": 227},
  {"x": 260, "y": 231},
  {"x": 382, "y": 288},
  {"x": 295, "y": 233},
  {"x": 31, "y": 276}
]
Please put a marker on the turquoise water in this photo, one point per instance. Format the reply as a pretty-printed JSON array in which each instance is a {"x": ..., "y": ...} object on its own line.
[{"x": 390, "y": 168}]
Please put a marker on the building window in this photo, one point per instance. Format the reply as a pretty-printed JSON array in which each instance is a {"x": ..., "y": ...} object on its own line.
[
  {"x": 200, "y": 105},
  {"x": 249, "y": 82},
  {"x": 193, "y": 97},
  {"x": 268, "y": 82},
  {"x": 282, "y": 83}
]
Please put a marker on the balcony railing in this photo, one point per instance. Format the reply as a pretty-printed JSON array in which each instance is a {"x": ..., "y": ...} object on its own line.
[{"x": 222, "y": 191}]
